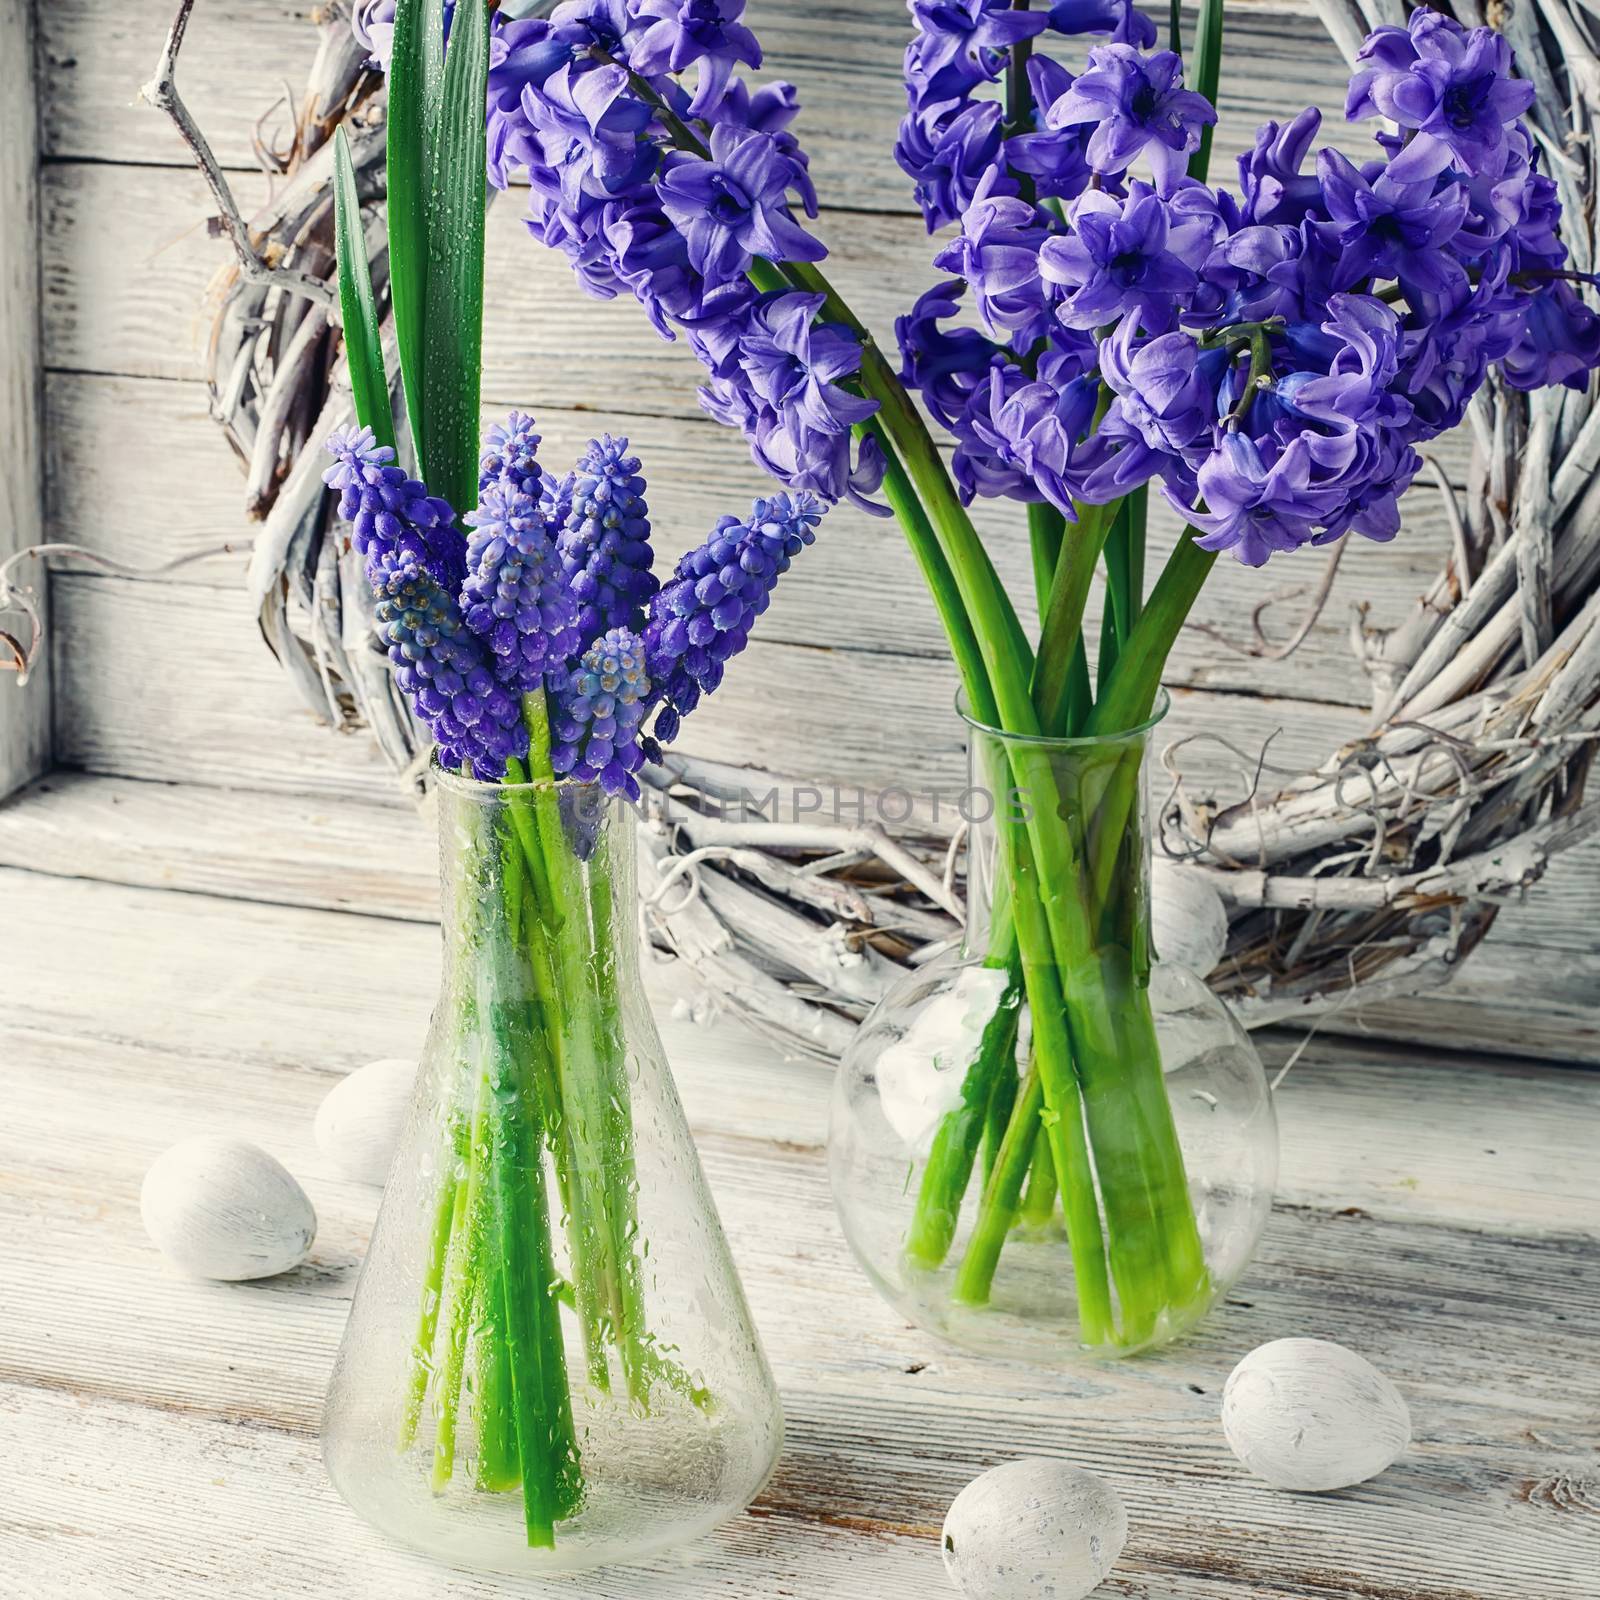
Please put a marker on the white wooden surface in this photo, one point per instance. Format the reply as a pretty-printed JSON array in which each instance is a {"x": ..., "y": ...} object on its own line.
[
  {"x": 159, "y": 1435},
  {"x": 24, "y": 719}
]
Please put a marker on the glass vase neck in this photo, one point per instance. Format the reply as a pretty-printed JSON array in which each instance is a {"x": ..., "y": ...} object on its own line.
[
  {"x": 585, "y": 837},
  {"x": 1021, "y": 783}
]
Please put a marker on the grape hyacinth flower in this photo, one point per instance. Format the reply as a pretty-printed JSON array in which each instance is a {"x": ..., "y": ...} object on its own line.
[
  {"x": 516, "y": 597},
  {"x": 604, "y": 540},
  {"x": 443, "y": 669},
  {"x": 510, "y": 456},
  {"x": 702, "y": 617},
  {"x": 598, "y": 715},
  {"x": 391, "y": 516}
]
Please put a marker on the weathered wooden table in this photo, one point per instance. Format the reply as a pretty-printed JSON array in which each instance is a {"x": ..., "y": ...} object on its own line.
[{"x": 158, "y": 1437}]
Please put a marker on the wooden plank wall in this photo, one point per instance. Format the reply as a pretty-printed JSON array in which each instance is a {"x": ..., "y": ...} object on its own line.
[
  {"x": 24, "y": 715},
  {"x": 168, "y": 682}
]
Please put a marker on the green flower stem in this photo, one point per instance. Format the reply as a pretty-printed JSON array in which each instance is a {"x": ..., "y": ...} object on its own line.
[
  {"x": 1039, "y": 1198},
  {"x": 1124, "y": 558},
  {"x": 1001, "y": 1195},
  {"x": 622, "y": 1186},
  {"x": 1207, "y": 74},
  {"x": 1046, "y": 531},
  {"x": 1075, "y": 1031},
  {"x": 559, "y": 985},
  {"x": 955, "y": 1145},
  {"x": 997, "y": 1117},
  {"x": 930, "y": 557},
  {"x": 466, "y": 1260},
  {"x": 1128, "y": 698},
  {"x": 1055, "y": 693},
  {"x": 499, "y": 1469},
  {"x": 432, "y": 1296}
]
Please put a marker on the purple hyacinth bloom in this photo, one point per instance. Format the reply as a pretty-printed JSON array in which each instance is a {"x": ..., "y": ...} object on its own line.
[
  {"x": 1348, "y": 367},
  {"x": 949, "y": 150},
  {"x": 735, "y": 206},
  {"x": 516, "y": 596},
  {"x": 702, "y": 617},
  {"x": 796, "y": 364},
  {"x": 1166, "y": 409},
  {"x": 390, "y": 514},
  {"x": 673, "y": 35},
  {"x": 1037, "y": 428},
  {"x": 604, "y": 540},
  {"x": 1560, "y": 341},
  {"x": 372, "y": 23},
  {"x": 1452, "y": 88},
  {"x": 444, "y": 670},
  {"x": 997, "y": 252},
  {"x": 946, "y": 366},
  {"x": 1270, "y": 180},
  {"x": 1120, "y": 18},
  {"x": 1257, "y": 508},
  {"x": 1056, "y": 159},
  {"x": 1125, "y": 255},
  {"x": 510, "y": 455},
  {"x": 1389, "y": 229},
  {"x": 597, "y": 716},
  {"x": 1139, "y": 106},
  {"x": 962, "y": 43}
]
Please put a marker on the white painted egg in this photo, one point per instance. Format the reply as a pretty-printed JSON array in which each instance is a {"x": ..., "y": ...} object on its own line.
[
  {"x": 1309, "y": 1414},
  {"x": 1033, "y": 1530},
  {"x": 361, "y": 1118},
  {"x": 222, "y": 1208},
  {"x": 1189, "y": 922}
]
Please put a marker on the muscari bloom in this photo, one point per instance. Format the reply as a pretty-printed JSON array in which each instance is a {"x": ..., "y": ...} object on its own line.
[
  {"x": 604, "y": 540},
  {"x": 390, "y": 514},
  {"x": 516, "y": 597},
  {"x": 597, "y": 717},
  {"x": 703, "y": 615},
  {"x": 510, "y": 456},
  {"x": 443, "y": 669}
]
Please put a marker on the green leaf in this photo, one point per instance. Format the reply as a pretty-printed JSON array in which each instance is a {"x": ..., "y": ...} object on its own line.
[
  {"x": 363, "y": 347},
  {"x": 453, "y": 327},
  {"x": 415, "y": 84},
  {"x": 1207, "y": 73}
]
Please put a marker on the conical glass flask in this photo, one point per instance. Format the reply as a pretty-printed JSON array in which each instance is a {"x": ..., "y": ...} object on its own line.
[{"x": 549, "y": 1362}]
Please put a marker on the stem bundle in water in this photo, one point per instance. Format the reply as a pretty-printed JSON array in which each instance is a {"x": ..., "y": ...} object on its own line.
[{"x": 542, "y": 1143}]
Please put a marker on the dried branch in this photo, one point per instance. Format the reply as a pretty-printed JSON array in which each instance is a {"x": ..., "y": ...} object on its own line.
[{"x": 162, "y": 93}]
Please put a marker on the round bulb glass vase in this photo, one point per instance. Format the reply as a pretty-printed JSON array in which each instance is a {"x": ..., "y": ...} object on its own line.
[
  {"x": 1048, "y": 1144},
  {"x": 549, "y": 1362}
]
